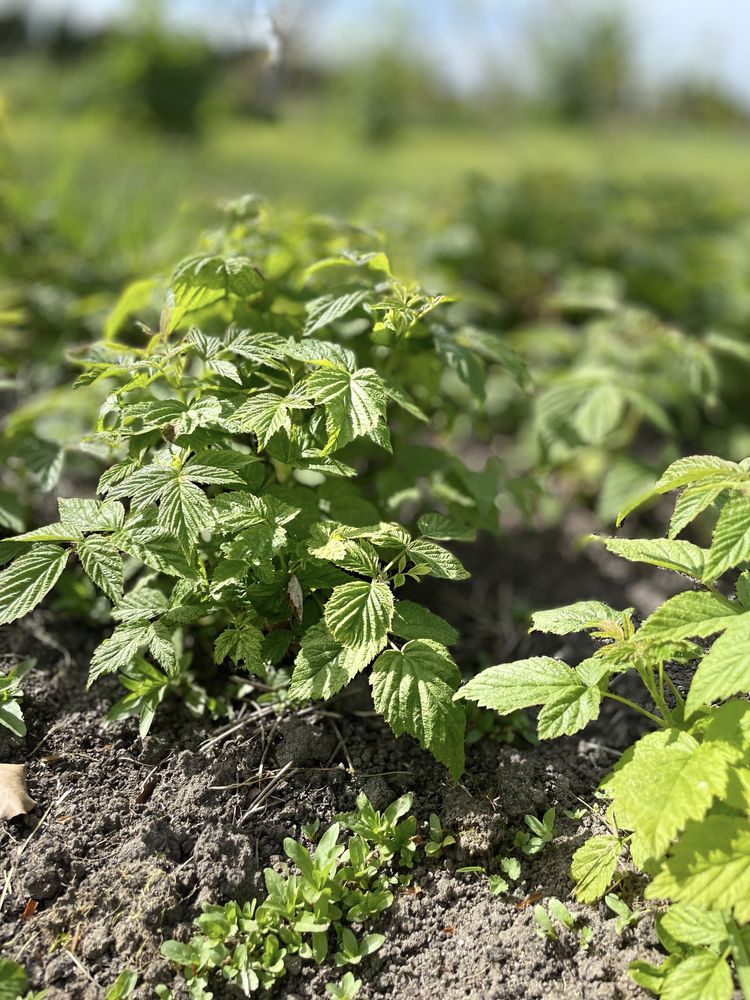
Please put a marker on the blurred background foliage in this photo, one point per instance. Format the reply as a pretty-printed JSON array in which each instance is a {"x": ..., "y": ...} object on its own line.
[{"x": 596, "y": 219}]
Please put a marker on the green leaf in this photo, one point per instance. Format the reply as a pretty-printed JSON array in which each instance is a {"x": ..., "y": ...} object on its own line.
[
  {"x": 704, "y": 976},
  {"x": 200, "y": 281},
  {"x": 123, "y": 986},
  {"x": 511, "y": 686},
  {"x": 413, "y": 690},
  {"x": 709, "y": 867},
  {"x": 118, "y": 650},
  {"x": 355, "y": 403},
  {"x": 13, "y": 980},
  {"x": 680, "y": 556},
  {"x": 91, "y": 515},
  {"x": 12, "y": 718},
  {"x": 725, "y": 670},
  {"x": 730, "y": 543},
  {"x": 440, "y": 562},
  {"x": 695, "y": 614},
  {"x": 599, "y": 414},
  {"x": 691, "y": 502},
  {"x": 323, "y": 666},
  {"x": 683, "y": 472},
  {"x": 161, "y": 646},
  {"x": 156, "y": 549},
  {"x": 575, "y": 618},
  {"x": 593, "y": 867},
  {"x": 328, "y": 308},
  {"x": 360, "y": 614},
  {"x": 266, "y": 413},
  {"x": 568, "y": 712},
  {"x": 412, "y": 621},
  {"x": 683, "y": 777},
  {"x": 28, "y": 580},
  {"x": 102, "y": 563},
  {"x": 184, "y": 511},
  {"x": 694, "y": 926},
  {"x": 445, "y": 528},
  {"x": 493, "y": 348}
]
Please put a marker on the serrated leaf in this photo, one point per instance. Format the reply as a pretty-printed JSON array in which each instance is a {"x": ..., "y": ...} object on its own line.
[
  {"x": 695, "y": 468},
  {"x": 412, "y": 621},
  {"x": 91, "y": 515},
  {"x": 695, "y": 614},
  {"x": 593, "y": 867},
  {"x": 355, "y": 403},
  {"x": 118, "y": 650},
  {"x": 445, "y": 528},
  {"x": 725, "y": 669},
  {"x": 102, "y": 563},
  {"x": 328, "y": 308},
  {"x": 184, "y": 511},
  {"x": 359, "y": 614},
  {"x": 709, "y": 867},
  {"x": 200, "y": 281},
  {"x": 440, "y": 562},
  {"x": 730, "y": 543},
  {"x": 694, "y": 926},
  {"x": 323, "y": 666},
  {"x": 57, "y": 532},
  {"x": 683, "y": 777},
  {"x": 568, "y": 712},
  {"x": 265, "y": 414},
  {"x": 691, "y": 502},
  {"x": 161, "y": 646},
  {"x": 242, "y": 643},
  {"x": 413, "y": 690},
  {"x": 508, "y": 687},
  {"x": 143, "y": 603},
  {"x": 599, "y": 414},
  {"x": 575, "y": 618},
  {"x": 667, "y": 553},
  {"x": 156, "y": 549},
  {"x": 28, "y": 580},
  {"x": 704, "y": 976}
]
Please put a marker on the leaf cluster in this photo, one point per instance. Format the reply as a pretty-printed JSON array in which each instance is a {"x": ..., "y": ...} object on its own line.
[
  {"x": 311, "y": 907},
  {"x": 680, "y": 796}
]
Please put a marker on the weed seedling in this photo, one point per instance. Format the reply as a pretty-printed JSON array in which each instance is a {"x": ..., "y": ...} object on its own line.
[
  {"x": 624, "y": 916},
  {"x": 347, "y": 988},
  {"x": 542, "y": 833},
  {"x": 439, "y": 839}
]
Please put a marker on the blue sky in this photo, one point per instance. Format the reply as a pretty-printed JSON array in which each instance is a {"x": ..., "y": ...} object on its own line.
[{"x": 711, "y": 37}]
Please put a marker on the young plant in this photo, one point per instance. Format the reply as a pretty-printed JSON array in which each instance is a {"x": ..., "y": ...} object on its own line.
[
  {"x": 256, "y": 471},
  {"x": 439, "y": 838},
  {"x": 11, "y": 715},
  {"x": 346, "y": 989},
  {"x": 680, "y": 796},
  {"x": 14, "y": 982},
  {"x": 310, "y": 912},
  {"x": 542, "y": 833},
  {"x": 624, "y": 916}
]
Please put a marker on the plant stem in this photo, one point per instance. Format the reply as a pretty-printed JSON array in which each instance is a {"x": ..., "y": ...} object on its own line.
[
  {"x": 678, "y": 697},
  {"x": 739, "y": 954},
  {"x": 635, "y": 707}
]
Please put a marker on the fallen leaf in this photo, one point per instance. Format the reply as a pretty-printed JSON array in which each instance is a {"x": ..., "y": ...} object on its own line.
[
  {"x": 295, "y": 597},
  {"x": 30, "y": 909},
  {"x": 14, "y": 795},
  {"x": 533, "y": 898}
]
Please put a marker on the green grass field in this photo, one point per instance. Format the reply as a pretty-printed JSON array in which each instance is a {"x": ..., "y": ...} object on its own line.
[{"x": 120, "y": 188}]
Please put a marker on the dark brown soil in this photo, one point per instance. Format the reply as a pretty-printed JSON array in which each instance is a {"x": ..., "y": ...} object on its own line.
[{"x": 129, "y": 837}]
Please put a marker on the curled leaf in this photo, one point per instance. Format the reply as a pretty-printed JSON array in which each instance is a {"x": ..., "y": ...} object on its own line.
[{"x": 14, "y": 796}]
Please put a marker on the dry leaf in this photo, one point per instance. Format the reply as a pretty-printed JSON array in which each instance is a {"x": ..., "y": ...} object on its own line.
[
  {"x": 294, "y": 597},
  {"x": 14, "y": 795}
]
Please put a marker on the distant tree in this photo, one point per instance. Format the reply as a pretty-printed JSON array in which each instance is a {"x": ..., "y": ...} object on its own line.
[{"x": 585, "y": 61}]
